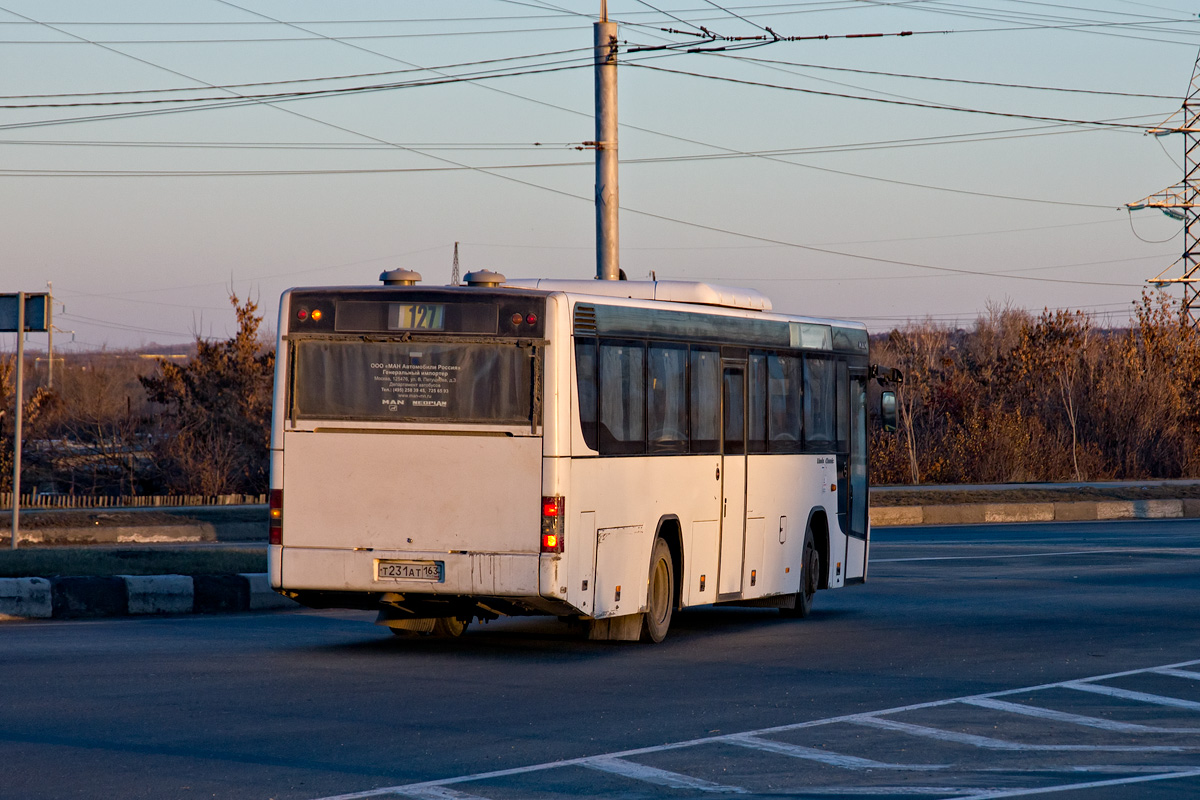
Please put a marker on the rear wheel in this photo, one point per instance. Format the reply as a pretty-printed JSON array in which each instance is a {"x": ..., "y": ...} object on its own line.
[
  {"x": 441, "y": 627},
  {"x": 449, "y": 627},
  {"x": 810, "y": 567},
  {"x": 661, "y": 594}
]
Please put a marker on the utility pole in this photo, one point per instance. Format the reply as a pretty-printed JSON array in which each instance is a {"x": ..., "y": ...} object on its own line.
[
  {"x": 608, "y": 262},
  {"x": 1180, "y": 201},
  {"x": 455, "y": 278},
  {"x": 20, "y": 401},
  {"x": 49, "y": 335}
]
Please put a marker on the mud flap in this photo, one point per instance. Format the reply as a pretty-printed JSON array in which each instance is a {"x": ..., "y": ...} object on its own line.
[{"x": 625, "y": 628}]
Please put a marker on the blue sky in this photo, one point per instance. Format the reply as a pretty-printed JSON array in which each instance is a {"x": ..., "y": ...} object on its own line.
[{"x": 886, "y": 178}]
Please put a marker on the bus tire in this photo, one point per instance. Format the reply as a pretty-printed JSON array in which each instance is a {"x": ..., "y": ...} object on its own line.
[
  {"x": 660, "y": 597},
  {"x": 810, "y": 566}
]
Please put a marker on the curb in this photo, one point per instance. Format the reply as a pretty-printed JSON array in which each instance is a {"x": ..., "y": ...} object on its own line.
[
  {"x": 969, "y": 514},
  {"x": 135, "y": 595}
]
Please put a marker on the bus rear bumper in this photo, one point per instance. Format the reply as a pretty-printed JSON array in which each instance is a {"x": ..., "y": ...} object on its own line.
[{"x": 419, "y": 572}]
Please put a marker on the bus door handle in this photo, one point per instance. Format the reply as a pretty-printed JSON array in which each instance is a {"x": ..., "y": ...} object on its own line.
[{"x": 725, "y": 507}]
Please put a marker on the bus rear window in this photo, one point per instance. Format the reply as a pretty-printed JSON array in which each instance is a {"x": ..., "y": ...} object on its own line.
[{"x": 436, "y": 381}]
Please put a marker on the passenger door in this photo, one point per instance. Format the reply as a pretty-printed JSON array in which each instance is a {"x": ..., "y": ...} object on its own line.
[{"x": 733, "y": 479}]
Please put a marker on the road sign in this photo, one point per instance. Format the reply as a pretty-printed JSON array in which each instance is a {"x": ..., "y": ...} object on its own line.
[{"x": 37, "y": 312}]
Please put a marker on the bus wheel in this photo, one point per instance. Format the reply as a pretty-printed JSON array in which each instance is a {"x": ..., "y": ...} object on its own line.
[
  {"x": 810, "y": 565},
  {"x": 661, "y": 596},
  {"x": 448, "y": 627}
]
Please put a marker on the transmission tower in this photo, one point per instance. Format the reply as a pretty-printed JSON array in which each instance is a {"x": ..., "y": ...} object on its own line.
[
  {"x": 455, "y": 280},
  {"x": 1180, "y": 201}
]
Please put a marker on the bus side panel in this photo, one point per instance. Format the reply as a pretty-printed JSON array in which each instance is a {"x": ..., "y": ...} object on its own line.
[
  {"x": 628, "y": 497},
  {"x": 399, "y": 492},
  {"x": 782, "y": 490}
]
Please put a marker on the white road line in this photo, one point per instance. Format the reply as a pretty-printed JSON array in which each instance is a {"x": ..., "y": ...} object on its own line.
[
  {"x": 660, "y": 777},
  {"x": 989, "y": 743},
  {"x": 991, "y": 558},
  {"x": 1179, "y": 673},
  {"x": 707, "y": 740},
  {"x": 1125, "y": 694},
  {"x": 1074, "y": 787},
  {"x": 823, "y": 756},
  {"x": 893, "y": 791},
  {"x": 1074, "y": 719},
  {"x": 440, "y": 793}
]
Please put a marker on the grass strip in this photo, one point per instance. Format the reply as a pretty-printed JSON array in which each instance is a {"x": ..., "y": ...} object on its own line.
[{"x": 47, "y": 562}]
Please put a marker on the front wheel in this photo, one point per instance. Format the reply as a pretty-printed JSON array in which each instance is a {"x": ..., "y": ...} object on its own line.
[
  {"x": 661, "y": 593},
  {"x": 810, "y": 566}
]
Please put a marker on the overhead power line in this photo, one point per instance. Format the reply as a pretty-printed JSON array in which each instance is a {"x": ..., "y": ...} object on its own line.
[
  {"x": 889, "y": 101},
  {"x": 354, "y": 76},
  {"x": 963, "y": 81}
]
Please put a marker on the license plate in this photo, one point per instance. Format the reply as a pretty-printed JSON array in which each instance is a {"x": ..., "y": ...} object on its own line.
[{"x": 411, "y": 571}]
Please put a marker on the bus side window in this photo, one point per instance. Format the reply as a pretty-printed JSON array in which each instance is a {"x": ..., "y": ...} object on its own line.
[
  {"x": 756, "y": 438},
  {"x": 784, "y": 392},
  {"x": 705, "y": 378},
  {"x": 843, "y": 407},
  {"x": 666, "y": 398},
  {"x": 818, "y": 402},
  {"x": 622, "y": 398},
  {"x": 585, "y": 373}
]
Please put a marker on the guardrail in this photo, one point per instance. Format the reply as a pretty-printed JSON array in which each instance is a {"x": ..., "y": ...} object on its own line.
[{"x": 68, "y": 501}]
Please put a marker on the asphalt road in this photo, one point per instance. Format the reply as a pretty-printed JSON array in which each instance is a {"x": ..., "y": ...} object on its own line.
[{"x": 977, "y": 662}]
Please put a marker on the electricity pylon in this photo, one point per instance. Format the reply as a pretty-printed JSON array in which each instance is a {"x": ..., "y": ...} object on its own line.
[
  {"x": 455, "y": 280},
  {"x": 1180, "y": 201}
]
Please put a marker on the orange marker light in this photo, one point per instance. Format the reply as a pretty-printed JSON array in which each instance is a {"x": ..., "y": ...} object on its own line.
[
  {"x": 275, "y": 526},
  {"x": 316, "y": 315}
]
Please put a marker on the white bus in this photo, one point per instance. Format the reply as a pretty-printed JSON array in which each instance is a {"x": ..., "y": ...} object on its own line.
[{"x": 604, "y": 451}]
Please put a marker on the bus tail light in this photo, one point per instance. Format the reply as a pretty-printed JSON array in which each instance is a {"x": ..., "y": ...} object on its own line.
[
  {"x": 275, "y": 530},
  {"x": 552, "y": 524}
]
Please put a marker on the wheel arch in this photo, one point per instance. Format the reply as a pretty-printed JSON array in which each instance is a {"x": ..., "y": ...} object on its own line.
[
  {"x": 818, "y": 523},
  {"x": 671, "y": 531}
]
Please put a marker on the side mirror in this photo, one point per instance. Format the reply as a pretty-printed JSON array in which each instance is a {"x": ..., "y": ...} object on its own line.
[{"x": 887, "y": 411}]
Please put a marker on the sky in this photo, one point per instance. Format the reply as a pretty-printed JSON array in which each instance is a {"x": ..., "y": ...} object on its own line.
[{"x": 156, "y": 158}]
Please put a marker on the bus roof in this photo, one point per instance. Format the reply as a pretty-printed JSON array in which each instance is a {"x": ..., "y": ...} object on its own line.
[{"x": 708, "y": 294}]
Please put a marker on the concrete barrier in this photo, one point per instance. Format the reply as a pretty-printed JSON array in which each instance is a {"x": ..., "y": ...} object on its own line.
[
  {"x": 1018, "y": 512},
  {"x": 887, "y": 516},
  {"x": 88, "y": 597},
  {"x": 121, "y": 595},
  {"x": 262, "y": 596},
  {"x": 221, "y": 593},
  {"x": 159, "y": 594},
  {"x": 25, "y": 597}
]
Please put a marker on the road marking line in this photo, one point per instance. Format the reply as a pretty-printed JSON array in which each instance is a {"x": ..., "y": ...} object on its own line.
[
  {"x": 1179, "y": 673},
  {"x": 440, "y": 793},
  {"x": 660, "y": 777},
  {"x": 1126, "y": 694},
  {"x": 989, "y": 743},
  {"x": 1072, "y": 787},
  {"x": 571, "y": 762},
  {"x": 1075, "y": 719},
  {"x": 893, "y": 791},
  {"x": 823, "y": 756}
]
